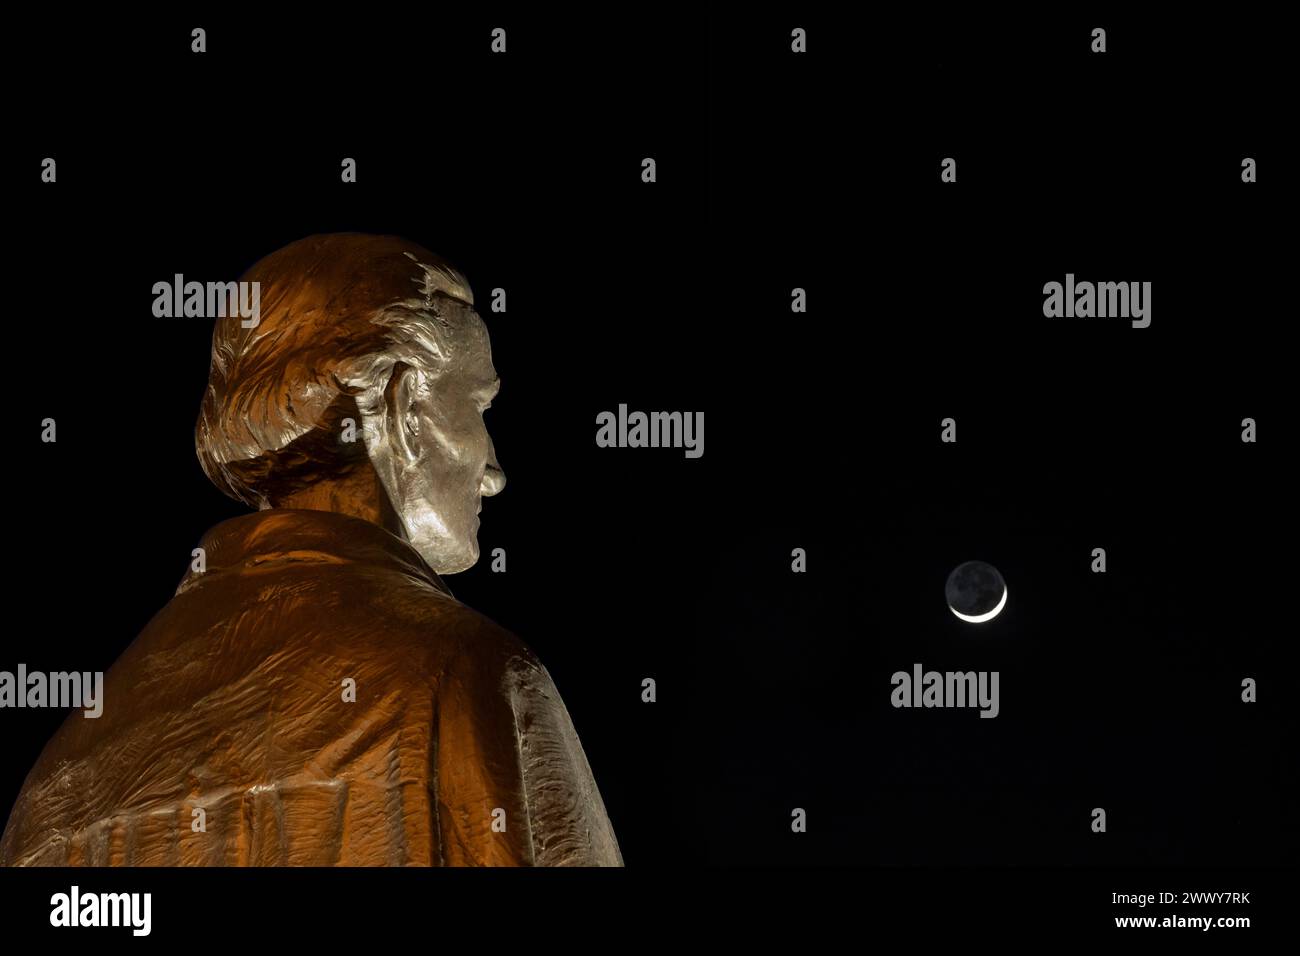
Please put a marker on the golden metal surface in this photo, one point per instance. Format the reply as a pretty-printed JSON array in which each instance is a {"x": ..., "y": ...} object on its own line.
[{"x": 232, "y": 708}]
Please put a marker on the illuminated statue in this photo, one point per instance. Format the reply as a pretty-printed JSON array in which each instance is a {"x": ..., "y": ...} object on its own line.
[{"x": 313, "y": 694}]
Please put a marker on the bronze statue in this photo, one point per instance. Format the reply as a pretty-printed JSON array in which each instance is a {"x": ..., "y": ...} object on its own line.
[{"x": 313, "y": 694}]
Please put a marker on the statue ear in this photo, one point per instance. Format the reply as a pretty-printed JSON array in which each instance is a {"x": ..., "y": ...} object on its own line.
[{"x": 400, "y": 418}]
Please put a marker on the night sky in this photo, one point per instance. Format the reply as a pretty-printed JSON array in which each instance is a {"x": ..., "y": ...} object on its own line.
[{"x": 1119, "y": 690}]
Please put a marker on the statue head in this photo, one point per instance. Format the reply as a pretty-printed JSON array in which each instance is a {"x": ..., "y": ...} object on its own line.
[{"x": 361, "y": 389}]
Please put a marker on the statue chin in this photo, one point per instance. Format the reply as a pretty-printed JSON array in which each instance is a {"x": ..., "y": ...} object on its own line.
[
  {"x": 428, "y": 526},
  {"x": 442, "y": 564},
  {"x": 444, "y": 556}
]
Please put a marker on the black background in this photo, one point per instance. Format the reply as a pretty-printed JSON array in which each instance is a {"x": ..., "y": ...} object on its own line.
[
  {"x": 820, "y": 171},
  {"x": 1119, "y": 690}
]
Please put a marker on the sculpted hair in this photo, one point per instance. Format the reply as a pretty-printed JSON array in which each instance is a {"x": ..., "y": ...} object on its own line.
[{"x": 339, "y": 313}]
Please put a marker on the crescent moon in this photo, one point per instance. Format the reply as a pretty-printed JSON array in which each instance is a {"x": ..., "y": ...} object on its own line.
[{"x": 981, "y": 618}]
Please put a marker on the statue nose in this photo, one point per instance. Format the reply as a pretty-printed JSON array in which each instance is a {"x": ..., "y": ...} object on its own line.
[{"x": 494, "y": 479}]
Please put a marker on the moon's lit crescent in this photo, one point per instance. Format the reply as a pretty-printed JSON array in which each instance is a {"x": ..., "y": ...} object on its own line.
[{"x": 981, "y": 618}]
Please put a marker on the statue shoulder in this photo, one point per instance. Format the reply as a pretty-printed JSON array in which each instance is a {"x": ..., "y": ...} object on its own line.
[{"x": 497, "y": 642}]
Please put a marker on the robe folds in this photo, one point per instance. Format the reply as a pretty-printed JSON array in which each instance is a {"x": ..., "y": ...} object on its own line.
[{"x": 227, "y": 737}]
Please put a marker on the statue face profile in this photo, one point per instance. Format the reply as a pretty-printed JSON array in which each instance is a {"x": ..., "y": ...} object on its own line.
[
  {"x": 361, "y": 389},
  {"x": 431, "y": 448}
]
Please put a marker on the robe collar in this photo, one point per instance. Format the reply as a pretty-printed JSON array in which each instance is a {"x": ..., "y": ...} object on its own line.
[{"x": 284, "y": 535}]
